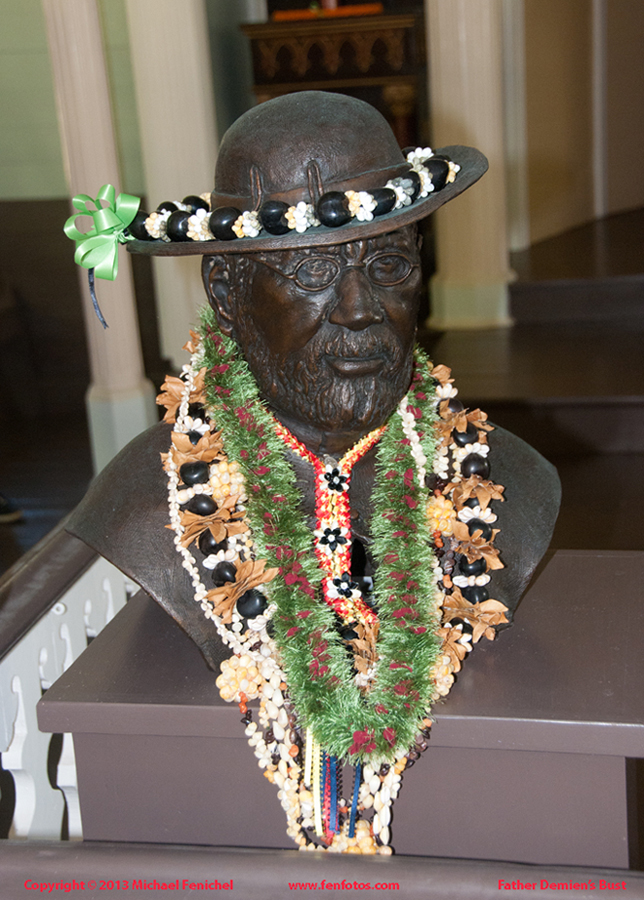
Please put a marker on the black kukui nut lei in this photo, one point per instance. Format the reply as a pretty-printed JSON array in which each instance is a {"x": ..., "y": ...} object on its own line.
[
  {"x": 272, "y": 216},
  {"x": 222, "y": 221},
  {"x": 194, "y": 203},
  {"x": 202, "y": 505},
  {"x": 208, "y": 544},
  {"x": 332, "y": 209},
  {"x": 194, "y": 473},
  {"x": 177, "y": 226}
]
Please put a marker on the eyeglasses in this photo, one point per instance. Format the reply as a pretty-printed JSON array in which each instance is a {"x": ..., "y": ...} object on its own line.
[{"x": 316, "y": 273}]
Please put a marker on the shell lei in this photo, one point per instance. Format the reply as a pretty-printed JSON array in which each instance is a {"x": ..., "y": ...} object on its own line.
[{"x": 326, "y": 700}]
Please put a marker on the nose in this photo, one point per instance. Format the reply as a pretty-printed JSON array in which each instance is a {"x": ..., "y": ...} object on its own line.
[{"x": 357, "y": 306}]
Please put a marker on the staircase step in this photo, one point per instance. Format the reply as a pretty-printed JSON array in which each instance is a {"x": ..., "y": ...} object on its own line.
[
  {"x": 617, "y": 300},
  {"x": 572, "y": 426}
]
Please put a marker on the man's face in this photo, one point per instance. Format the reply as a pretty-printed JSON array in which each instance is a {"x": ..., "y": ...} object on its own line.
[{"x": 329, "y": 332}]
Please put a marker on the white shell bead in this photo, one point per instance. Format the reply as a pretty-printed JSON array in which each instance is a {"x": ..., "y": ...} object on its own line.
[
  {"x": 271, "y": 710},
  {"x": 385, "y": 794},
  {"x": 368, "y": 772},
  {"x": 282, "y": 717},
  {"x": 278, "y": 731},
  {"x": 385, "y": 836},
  {"x": 376, "y": 824},
  {"x": 385, "y": 815},
  {"x": 368, "y": 801},
  {"x": 374, "y": 784},
  {"x": 377, "y": 802},
  {"x": 286, "y": 757}
]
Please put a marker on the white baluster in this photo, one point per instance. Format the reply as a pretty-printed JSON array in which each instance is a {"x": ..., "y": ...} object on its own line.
[{"x": 30, "y": 668}]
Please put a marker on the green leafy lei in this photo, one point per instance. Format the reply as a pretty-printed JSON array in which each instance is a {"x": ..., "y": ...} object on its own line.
[{"x": 347, "y": 723}]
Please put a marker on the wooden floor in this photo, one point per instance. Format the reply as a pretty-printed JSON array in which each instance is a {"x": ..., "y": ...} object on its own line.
[{"x": 566, "y": 377}]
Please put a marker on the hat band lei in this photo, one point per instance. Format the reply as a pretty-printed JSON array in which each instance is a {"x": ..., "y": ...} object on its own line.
[
  {"x": 345, "y": 671},
  {"x": 192, "y": 219}
]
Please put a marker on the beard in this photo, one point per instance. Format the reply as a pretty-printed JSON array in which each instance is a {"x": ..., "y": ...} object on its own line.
[{"x": 306, "y": 387}]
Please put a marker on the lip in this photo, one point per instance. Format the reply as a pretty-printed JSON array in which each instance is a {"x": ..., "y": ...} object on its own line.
[{"x": 356, "y": 365}]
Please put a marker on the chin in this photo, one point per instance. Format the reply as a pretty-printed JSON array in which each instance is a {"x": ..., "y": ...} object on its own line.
[
  {"x": 330, "y": 402},
  {"x": 305, "y": 385}
]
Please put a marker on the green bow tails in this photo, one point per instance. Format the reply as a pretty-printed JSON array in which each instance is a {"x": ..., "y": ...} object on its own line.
[{"x": 98, "y": 248}]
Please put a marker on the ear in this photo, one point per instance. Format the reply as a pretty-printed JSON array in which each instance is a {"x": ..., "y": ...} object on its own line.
[{"x": 216, "y": 279}]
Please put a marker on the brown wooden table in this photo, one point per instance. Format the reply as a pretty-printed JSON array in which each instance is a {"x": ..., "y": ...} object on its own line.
[{"x": 532, "y": 758}]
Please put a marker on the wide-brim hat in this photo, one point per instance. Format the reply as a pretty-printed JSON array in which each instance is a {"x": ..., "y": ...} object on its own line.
[{"x": 307, "y": 169}]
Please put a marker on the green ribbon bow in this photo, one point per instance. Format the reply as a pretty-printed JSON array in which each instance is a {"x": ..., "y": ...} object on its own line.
[{"x": 98, "y": 248}]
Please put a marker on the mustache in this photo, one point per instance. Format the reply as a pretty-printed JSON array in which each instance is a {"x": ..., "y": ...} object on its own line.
[{"x": 358, "y": 344}]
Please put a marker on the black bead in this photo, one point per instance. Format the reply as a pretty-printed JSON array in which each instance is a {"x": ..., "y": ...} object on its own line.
[
  {"x": 333, "y": 209},
  {"x": 196, "y": 411},
  {"x": 251, "y": 604},
  {"x": 430, "y": 481},
  {"x": 414, "y": 177},
  {"x": 479, "y": 525},
  {"x": 167, "y": 206},
  {"x": 202, "y": 505},
  {"x": 463, "y": 438},
  {"x": 438, "y": 168},
  {"x": 475, "y": 594},
  {"x": 194, "y": 437},
  {"x": 385, "y": 199},
  {"x": 177, "y": 226},
  {"x": 272, "y": 215},
  {"x": 477, "y": 567},
  {"x": 194, "y": 203},
  {"x": 475, "y": 465},
  {"x": 222, "y": 221},
  {"x": 471, "y": 502},
  {"x": 407, "y": 150},
  {"x": 347, "y": 633},
  {"x": 137, "y": 227},
  {"x": 223, "y": 572},
  {"x": 195, "y": 472},
  {"x": 208, "y": 544},
  {"x": 454, "y": 405}
]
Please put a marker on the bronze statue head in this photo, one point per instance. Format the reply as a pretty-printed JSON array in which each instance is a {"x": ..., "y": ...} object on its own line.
[
  {"x": 311, "y": 256},
  {"x": 328, "y": 332}
]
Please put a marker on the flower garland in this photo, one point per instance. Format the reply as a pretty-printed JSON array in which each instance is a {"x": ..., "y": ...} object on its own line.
[{"x": 329, "y": 695}]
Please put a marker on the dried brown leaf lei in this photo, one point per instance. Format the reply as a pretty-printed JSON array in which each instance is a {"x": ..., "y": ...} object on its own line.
[{"x": 460, "y": 517}]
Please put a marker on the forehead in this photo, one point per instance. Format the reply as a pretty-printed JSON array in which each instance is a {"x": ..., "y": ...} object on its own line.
[{"x": 402, "y": 241}]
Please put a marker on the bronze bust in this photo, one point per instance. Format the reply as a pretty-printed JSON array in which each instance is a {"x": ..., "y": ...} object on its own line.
[{"x": 307, "y": 360}]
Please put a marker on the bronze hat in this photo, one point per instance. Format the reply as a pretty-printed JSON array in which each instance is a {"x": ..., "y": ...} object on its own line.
[{"x": 308, "y": 148}]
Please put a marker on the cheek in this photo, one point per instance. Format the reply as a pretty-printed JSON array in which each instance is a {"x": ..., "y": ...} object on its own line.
[
  {"x": 402, "y": 307},
  {"x": 282, "y": 317}
]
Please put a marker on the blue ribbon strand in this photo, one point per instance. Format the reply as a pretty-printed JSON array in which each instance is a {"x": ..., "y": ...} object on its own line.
[
  {"x": 354, "y": 803},
  {"x": 333, "y": 814}
]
